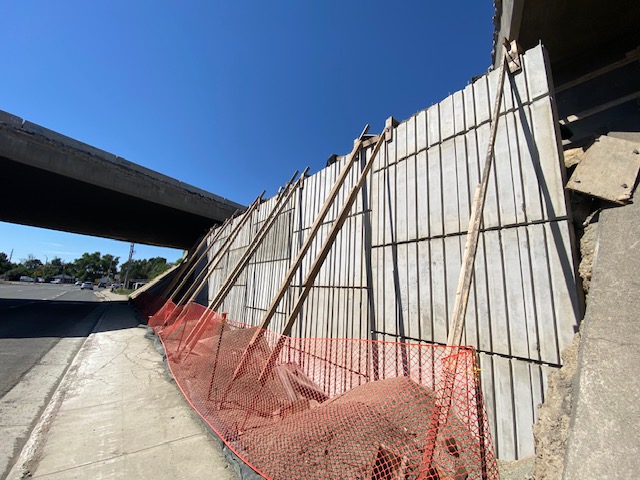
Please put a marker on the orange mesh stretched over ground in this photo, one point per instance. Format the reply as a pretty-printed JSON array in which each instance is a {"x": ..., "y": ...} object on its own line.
[{"x": 331, "y": 408}]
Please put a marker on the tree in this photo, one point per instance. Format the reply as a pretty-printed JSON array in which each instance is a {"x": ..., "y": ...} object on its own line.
[
  {"x": 5, "y": 264},
  {"x": 147, "y": 269},
  {"x": 16, "y": 272},
  {"x": 88, "y": 267},
  {"x": 32, "y": 264}
]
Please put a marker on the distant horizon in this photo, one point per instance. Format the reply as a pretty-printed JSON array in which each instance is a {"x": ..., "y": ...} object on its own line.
[{"x": 28, "y": 241}]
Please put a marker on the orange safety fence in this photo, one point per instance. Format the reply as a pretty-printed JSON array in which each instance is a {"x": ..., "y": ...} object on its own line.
[{"x": 330, "y": 408}]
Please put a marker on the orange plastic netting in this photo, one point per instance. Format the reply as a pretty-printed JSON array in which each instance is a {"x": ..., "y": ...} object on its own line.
[{"x": 330, "y": 408}]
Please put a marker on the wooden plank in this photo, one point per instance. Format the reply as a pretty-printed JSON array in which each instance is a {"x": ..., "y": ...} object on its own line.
[
  {"x": 201, "y": 279},
  {"x": 317, "y": 263},
  {"x": 466, "y": 274},
  {"x": 608, "y": 170},
  {"x": 631, "y": 57}
]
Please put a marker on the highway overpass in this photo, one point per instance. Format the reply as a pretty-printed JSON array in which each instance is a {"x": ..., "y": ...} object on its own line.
[{"x": 55, "y": 182}]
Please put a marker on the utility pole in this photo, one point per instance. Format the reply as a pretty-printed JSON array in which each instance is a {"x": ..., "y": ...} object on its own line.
[{"x": 126, "y": 275}]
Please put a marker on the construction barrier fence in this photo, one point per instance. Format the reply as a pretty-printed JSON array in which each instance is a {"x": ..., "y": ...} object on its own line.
[{"x": 321, "y": 408}]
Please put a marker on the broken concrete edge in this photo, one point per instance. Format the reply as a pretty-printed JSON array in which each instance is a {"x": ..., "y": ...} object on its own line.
[
  {"x": 29, "y": 456},
  {"x": 244, "y": 471}
]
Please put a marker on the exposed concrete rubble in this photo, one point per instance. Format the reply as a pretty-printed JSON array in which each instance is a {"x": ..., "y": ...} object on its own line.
[{"x": 552, "y": 429}]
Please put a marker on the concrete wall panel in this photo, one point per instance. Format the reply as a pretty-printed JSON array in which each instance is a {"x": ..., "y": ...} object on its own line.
[{"x": 393, "y": 270}]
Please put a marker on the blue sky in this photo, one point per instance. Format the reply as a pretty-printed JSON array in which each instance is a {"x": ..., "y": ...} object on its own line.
[{"x": 231, "y": 97}]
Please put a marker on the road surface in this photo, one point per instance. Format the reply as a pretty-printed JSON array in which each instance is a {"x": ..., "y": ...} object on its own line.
[{"x": 42, "y": 326}]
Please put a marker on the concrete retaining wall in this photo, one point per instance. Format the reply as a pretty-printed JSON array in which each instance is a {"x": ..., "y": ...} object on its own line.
[{"x": 393, "y": 270}]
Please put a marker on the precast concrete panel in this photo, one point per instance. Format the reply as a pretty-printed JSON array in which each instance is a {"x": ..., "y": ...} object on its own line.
[{"x": 393, "y": 269}]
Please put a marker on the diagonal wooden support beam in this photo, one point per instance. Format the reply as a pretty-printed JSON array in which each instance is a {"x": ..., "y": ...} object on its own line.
[{"x": 473, "y": 232}]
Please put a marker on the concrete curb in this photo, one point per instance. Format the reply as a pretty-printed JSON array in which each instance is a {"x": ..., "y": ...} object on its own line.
[{"x": 29, "y": 453}]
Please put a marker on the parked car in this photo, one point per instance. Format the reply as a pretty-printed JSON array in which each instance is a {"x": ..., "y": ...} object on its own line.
[
  {"x": 87, "y": 285},
  {"x": 56, "y": 281},
  {"x": 102, "y": 285},
  {"x": 78, "y": 283}
]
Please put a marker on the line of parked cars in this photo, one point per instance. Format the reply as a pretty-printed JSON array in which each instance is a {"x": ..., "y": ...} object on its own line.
[{"x": 90, "y": 285}]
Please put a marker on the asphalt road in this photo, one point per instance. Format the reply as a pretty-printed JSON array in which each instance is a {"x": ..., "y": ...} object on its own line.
[
  {"x": 42, "y": 326},
  {"x": 33, "y": 319}
]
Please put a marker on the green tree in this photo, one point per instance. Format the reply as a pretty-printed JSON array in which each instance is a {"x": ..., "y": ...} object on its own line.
[
  {"x": 146, "y": 269},
  {"x": 5, "y": 264},
  {"x": 32, "y": 264},
  {"x": 88, "y": 266},
  {"x": 16, "y": 272}
]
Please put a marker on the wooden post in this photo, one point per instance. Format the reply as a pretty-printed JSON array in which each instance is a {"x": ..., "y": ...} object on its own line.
[
  {"x": 214, "y": 261},
  {"x": 241, "y": 264},
  {"x": 317, "y": 262},
  {"x": 293, "y": 268},
  {"x": 189, "y": 266},
  {"x": 466, "y": 274}
]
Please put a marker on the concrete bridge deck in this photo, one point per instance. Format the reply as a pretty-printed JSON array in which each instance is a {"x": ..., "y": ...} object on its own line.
[{"x": 144, "y": 206}]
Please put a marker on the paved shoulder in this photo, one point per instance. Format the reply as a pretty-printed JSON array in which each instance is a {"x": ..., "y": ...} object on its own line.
[{"x": 117, "y": 415}]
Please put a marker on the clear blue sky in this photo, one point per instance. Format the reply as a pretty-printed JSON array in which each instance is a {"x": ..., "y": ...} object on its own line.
[{"x": 231, "y": 97}]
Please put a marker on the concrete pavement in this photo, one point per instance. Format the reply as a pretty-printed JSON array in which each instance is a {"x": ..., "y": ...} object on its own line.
[{"x": 116, "y": 414}]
